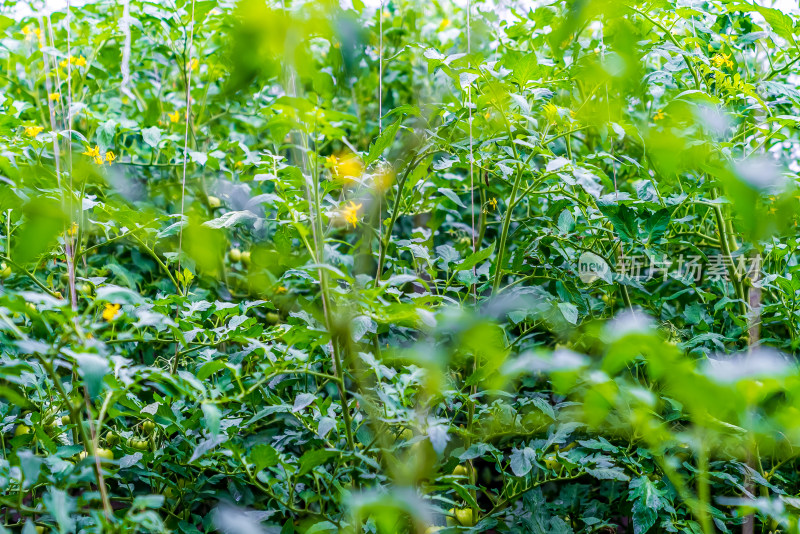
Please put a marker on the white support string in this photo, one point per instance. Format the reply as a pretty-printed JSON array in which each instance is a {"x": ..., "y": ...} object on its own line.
[
  {"x": 380, "y": 123},
  {"x": 380, "y": 69},
  {"x": 471, "y": 158},
  {"x": 68, "y": 237},
  {"x": 188, "y": 67}
]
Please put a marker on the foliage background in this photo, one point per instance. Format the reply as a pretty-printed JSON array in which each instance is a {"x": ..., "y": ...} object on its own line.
[{"x": 310, "y": 267}]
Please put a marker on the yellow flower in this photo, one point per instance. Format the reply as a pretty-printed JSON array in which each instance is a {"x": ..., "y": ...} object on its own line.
[
  {"x": 173, "y": 117},
  {"x": 350, "y": 213},
  {"x": 493, "y": 203},
  {"x": 722, "y": 59},
  {"x": 110, "y": 311},
  {"x": 346, "y": 167},
  {"x": 193, "y": 64},
  {"x": 54, "y": 96},
  {"x": 445, "y": 23},
  {"x": 28, "y": 32},
  {"x": 383, "y": 179},
  {"x": 33, "y": 131},
  {"x": 91, "y": 152},
  {"x": 72, "y": 60},
  {"x": 659, "y": 115},
  {"x": 73, "y": 230},
  {"x": 551, "y": 112},
  {"x": 98, "y": 160},
  {"x": 281, "y": 290},
  {"x": 110, "y": 156}
]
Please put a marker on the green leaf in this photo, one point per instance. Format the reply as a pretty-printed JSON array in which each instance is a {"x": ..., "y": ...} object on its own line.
[
  {"x": 93, "y": 369},
  {"x": 152, "y": 136},
  {"x": 474, "y": 259},
  {"x": 314, "y": 458},
  {"x": 212, "y": 416},
  {"x": 263, "y": 456},
  {"x": 656, "y": 225},
  {"x": 383, "y": 142}
]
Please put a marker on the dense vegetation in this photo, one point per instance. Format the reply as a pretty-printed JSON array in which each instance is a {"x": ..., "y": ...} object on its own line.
[{"x": 497, "y": 266}]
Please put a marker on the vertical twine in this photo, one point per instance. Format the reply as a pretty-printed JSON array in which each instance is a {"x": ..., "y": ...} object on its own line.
[
  {"x": 471, "y": 157},
  {"x": 380, "y": 120},
  {"x": 188, "y": 64},
  {"x": 68, "y": 240}
]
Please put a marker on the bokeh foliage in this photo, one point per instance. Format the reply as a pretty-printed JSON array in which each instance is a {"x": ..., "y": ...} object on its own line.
[{"x": 315, "y": 267}]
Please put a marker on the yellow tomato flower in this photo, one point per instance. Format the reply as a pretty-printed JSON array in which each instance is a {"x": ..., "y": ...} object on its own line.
[
  {"x": 91, "y": 152},
  {"x": 98, "y": 160},
  {"x": 551, "y": 112},
  {"x": 35, "y": 31},
  {"x": 193, "y": 64},
  {"x": 281, "y": 290},
  {"x": 72, "y": 60},
  {"x": 493, "y": 203},
  {"x": 54, "y": 96},
  {"x": 173, "y": 117},
  {"x": 345, "y": 167},
  {"x": 383, "y": 179},
  {"x": 110, "y": 311},
  {"x": 659, "y": 115},
  {"x": 73, "y": 230},
  {"x": 721, "y": 59},
  {"x": 110, "y": 156},
  {"x": 33, "y": 131},
  {"x": 350, "y": 213}
]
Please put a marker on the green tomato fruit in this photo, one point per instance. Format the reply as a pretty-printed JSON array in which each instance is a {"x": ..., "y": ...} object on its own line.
[
  {"x": 465, "y": 517},
  {"x": 451, "y": 519},
  {"x": 138, "y": 444},
  {"x": 461, "y": 471},
  {"x": 112, "y": 439},
  {"x": 105, "y": 453}
]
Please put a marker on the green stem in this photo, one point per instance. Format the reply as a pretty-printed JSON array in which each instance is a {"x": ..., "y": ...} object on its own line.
[
  {"x": 498, "y": 273},
  {"x": 415, "y": 160}
]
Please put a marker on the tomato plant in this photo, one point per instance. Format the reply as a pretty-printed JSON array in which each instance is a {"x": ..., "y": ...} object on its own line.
[{"x": 397, "y": 266}]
